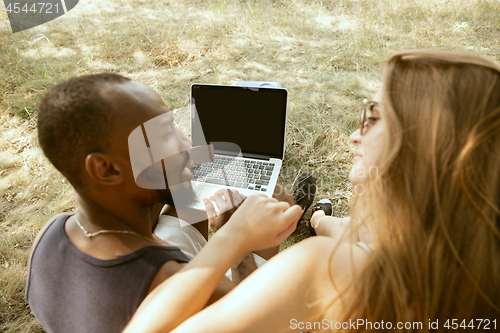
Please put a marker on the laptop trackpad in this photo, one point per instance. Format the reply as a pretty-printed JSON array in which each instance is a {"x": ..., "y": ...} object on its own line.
[
  {"x": 208, "y": 191},
  {"x": 203, "y": 191}
]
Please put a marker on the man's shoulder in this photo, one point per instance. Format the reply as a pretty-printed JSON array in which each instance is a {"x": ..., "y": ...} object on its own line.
[
  {"x": 42, "y": 232},
  {"x": 45, "y": 227}
]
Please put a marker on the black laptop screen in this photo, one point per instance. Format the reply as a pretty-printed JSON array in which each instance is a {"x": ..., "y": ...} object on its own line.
[{"x": 252, "y": 118}]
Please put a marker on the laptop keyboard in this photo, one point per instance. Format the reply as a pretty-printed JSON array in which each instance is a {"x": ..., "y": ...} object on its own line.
[{"x": 235, "y": 172}]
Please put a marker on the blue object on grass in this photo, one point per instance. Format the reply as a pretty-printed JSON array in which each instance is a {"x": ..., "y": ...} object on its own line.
[{"x": 262, "y": 84}]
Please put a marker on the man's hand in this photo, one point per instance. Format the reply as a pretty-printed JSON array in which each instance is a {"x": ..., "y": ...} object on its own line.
[
  {"x": 243, "y": 268},
  {"x": 227, "y": 202}
]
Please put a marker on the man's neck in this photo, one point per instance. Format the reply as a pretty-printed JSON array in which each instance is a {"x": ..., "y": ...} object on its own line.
[{"x": 106, "y": 215}]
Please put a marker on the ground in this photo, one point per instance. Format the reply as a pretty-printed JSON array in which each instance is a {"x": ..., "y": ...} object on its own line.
[{"x": 328, "y": 54}]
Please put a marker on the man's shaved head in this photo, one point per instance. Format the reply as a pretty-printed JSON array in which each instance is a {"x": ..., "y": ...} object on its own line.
[{"x": 74, "y": 120}]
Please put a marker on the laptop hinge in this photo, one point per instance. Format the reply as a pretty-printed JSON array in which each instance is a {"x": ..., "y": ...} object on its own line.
[{"x": 246, "y": 155}]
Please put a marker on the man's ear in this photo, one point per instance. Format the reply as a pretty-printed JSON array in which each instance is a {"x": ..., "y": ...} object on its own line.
[{"x": 103, "y": 169}]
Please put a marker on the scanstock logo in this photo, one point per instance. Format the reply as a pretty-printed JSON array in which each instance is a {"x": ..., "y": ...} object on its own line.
[{"x": 26, "y": 14}]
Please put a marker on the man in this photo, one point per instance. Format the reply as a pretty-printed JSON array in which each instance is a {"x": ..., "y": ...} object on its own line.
[{"x": 90, "y": 271}]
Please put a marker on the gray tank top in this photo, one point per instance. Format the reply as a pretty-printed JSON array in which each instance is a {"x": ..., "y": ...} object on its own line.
[{"x": 70, "y": 291}]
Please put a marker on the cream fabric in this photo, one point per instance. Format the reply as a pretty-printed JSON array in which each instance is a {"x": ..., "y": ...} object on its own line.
[{"x": 187, "y": 238}]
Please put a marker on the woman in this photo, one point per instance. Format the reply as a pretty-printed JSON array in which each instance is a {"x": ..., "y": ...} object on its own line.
[{"x": 428, "y": 157}]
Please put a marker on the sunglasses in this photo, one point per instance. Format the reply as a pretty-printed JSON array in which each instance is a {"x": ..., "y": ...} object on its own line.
[{"x": 367, "y": 118}]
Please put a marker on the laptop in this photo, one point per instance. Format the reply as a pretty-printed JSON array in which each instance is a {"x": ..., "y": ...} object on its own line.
[{"x": 246, "y": 127}]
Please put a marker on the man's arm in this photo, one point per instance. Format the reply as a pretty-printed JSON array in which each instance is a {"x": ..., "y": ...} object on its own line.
[{"x": 243, "y": 268}]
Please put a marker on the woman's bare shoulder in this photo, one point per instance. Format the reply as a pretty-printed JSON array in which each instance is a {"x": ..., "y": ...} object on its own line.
[
  {"x": 318, "y": 260},
  {"x": 320, "y": 249},
  {"x": 331, "y": 273}
]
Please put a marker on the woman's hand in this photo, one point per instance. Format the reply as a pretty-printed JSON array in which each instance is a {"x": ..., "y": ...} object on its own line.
[
  {"x": 259, "y": 223},
  {"x": 227, "y": 202},
  {"x": 262, "y": 222}
]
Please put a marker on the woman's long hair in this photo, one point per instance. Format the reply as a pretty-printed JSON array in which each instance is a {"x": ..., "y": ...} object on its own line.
[{"x": 434, "y": 207}]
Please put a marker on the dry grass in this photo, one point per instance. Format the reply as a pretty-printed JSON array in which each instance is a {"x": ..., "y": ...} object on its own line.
[{"x": 327, "y": 54}]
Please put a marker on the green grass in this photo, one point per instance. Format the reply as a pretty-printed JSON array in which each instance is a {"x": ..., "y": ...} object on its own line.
[{"x": 328, "y": 54}]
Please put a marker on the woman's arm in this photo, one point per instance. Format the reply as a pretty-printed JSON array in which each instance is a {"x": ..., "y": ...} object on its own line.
[
  {"x": 294, "y": 287},
  {"x": 340, "y": 228},
  {"x": 330, "y": 226},
  {"x": 259, "y": 223}
]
